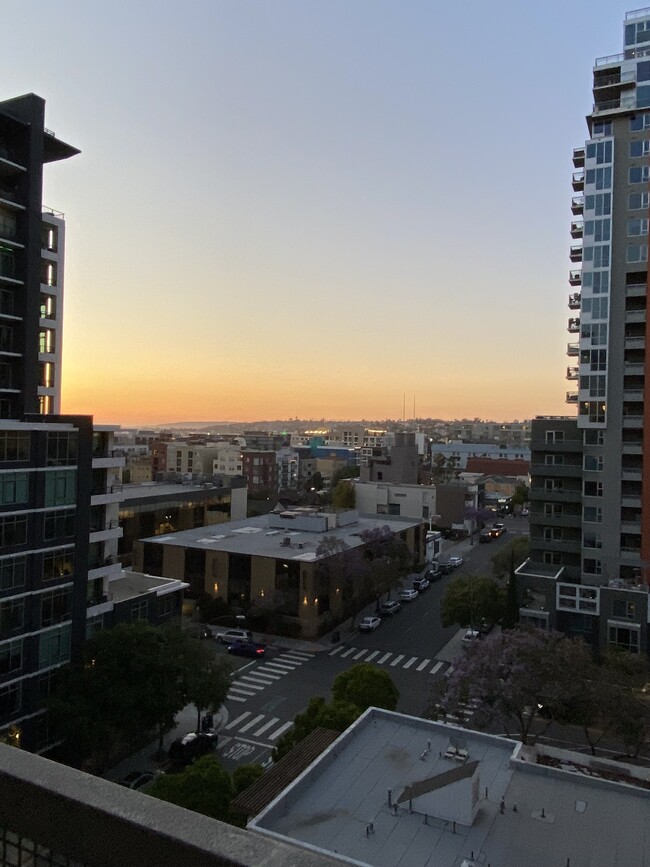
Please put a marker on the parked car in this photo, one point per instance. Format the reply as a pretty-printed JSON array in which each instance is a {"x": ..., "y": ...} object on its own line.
[
  {"x": 455, "y": 562},
  {"x": 183, "y": 751},
  {"x": 387, "y": 609},
  {"x": 524, "y": 512},
  {"x": 230, "y": 636},
  {"x": 369, "y": 624},
  {"x": 445, "y": 566},
  {"x": 136, "y": 779},
  {"x": 420, "y": 584},
  {"x": 247, "y": 648},
  {"x": 485, "y": 536},
  {"x": 407, "y": 595},
  {"x": 434, "y": 573},
  {"x": 470, "y": 637}
]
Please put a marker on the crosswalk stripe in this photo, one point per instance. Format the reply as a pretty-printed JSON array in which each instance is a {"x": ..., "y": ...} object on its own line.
[
  {"x": 270, "y": 674},
  {"x": 410, "y": 662},
  {"x": 360, "y": 654},
  {"x": 280, "y": 667},
  {"x": 251, "y": 723},
  {"x": 436, "y": 667},
  {"x": 372, "y": 655},
  {"x": 276, "y": 719},
  {"x": 449, "y": 670},
  {"x": 251, "y": 684},
  {"x": 423, "y": 665},
  {"x": 348, "y": 652},
  {"x": 302, "y": 657},
  {"x": 231, "y": 697},
  {"x": 384, "y": 658},
  {"x": 336, "y": 650},
  {"x": 235, "y": 688},
  {"x": 397, "y": 659},
  {"x": 237, "y": 720},
  {"x": 264, "y": 679},
  {"x": 283, "y": 728}
]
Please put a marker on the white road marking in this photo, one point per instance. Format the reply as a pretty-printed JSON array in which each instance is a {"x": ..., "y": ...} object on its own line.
[
  {"x": 410, "y": 662},
  {"x": 348, "y": 652},
  {"x": 235, "y": 688},
  {"x": 301, "y": 657},
  {"x": 436, "y": 667},
  {"x": 264, "y": 679},
  {"x": 336, "y": 650},
  {"x": 397, "y": 659},
  {"x": 251, "y": 723},
  {"x": 360, "y": 654},
  {"x": 384, "y": 658},
  {"x": 237, "y": 720},
  {"x": 249, "y": 683},
  {"x": 280, "y": 667},
  {"x": 449, "y": 670},
  {"x": 276, "y": 719},
  {"x": 273, "y": 675},
  {"x": 423, "y": 665},
  {"x": 276, "y": 734},
  {"x": 235, "y": 697},
  {"x": 372, "y": 655}
]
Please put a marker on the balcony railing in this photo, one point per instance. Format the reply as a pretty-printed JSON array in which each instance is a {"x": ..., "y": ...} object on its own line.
[
  {"x": 107, "y": 489},
  {"x": 578, "y": 157},
  {"x": 574, "y": 301},
  {"x": 578, "y": 181},
  {"x": 621, "y": 78},
  {"x": 609, "y": 59},
  {"x": 575, "y": 278},
  {"x": 574, "y": 325},
  {"x": 577, "y": 205},
  {"x": 577, "y": 228},
  {"x": 573, "y": 349},
  {"x": 625, "y": 103},
  {"x": 572, "y": 372},
  {"x": 575, "y": 253},
  {"x": 572, "y": 397}
]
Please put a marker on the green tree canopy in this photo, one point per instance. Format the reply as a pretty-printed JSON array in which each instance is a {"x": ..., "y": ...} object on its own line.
[
  {"x": 336, "y": 716},
  {"x": 203, "y": 787},
  {"x": 470, "y": 600},
  {"x": 365, "y": 686},
  {"x": 518, "y": 549},
  {"x": 344, "y": 495}
]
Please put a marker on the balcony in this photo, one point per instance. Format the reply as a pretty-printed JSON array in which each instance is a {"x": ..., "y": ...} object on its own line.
[
  {"x": 574, "y": 521},
  {"x": 573, "y": 325},
  {"x": 578, "y": 157},
  {"x": 610, "y": 59},
  {"x": 615, "y": 80},
  {"x": 633, "y": 395},
  {"x": 635, "y": 316},
  {"x": 611, "y": 106},
  {"x": 572, "y": 397},
  {"x": 575, "y": 253},
  {"x": 635, "y": 342},
  {"x": 632, "y": 448},
  {"x": 575, "y": 278},
  {"x": 578, "y": 205},
  {"x": 578, "y": 181},
  {"x": 636, "y": 290},
  {"x": 577, "y": 228},
  {"x": 565, "y": 470},
  {"x": 555, "y": 496},
  {"x": 573, "y": 349},
  {"x": 632, "y": 475},
  {"x": 574, "y": 301},
  {"x": 572, "y": 372}
]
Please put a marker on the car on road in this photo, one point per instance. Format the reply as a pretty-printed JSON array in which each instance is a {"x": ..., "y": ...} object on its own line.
[
  {"x": 136, "y": 779},
  {"x": 369, "y": 624},
  {"x": 230, "y": 636},
  {"x": 470, "y": 637},
  {"x": 433, "y": 574},
  {"x": 445, "y": 567},
  {"x": 183, "y": 751},
  {"x": 485, "y": 536},
  {"x": 407, "y": 595},
  {"x": 524, "y": 512},
  {"x": 420, "y": 584},
  {"x": 387, "y": 609},
  {"x": 455, "y": 562},
  {"x": 247, "y": 648}
]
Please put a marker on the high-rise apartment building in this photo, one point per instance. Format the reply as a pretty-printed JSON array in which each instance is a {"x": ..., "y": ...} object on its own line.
[{"x": 590, "y": 520}]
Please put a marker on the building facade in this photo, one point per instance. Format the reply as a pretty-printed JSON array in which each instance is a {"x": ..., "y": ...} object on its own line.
[{"x": 591, "y": 475}]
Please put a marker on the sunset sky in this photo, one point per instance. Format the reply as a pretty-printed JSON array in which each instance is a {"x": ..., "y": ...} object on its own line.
[{"x": 311, "y": 207}]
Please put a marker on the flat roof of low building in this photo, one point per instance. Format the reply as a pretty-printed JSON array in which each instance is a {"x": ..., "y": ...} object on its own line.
[
  {"x": 266, "y": 535},
  {"x": 400, "y": 791},
  {"x": 132, "y": 584},
  {"x": 162, "y": 490}
]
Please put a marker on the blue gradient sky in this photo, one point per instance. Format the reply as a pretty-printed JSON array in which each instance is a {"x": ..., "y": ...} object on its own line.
[{"x": 309, "y": 207}]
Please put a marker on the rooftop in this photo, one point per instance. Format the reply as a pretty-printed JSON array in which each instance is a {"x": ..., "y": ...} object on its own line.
[
  {"x": 293, "y": 534},
  {"x": 399, "y": 791}
]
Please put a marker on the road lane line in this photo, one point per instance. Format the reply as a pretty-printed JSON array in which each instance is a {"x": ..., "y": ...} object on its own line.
[
  {"x": 423, "y": 665},
  {"x": 237, "y": 720},
  {"x": 360, "y": 654},
  {"x": 384, "y": 658},
  {"x": 410, "y": 662},
  {"x": 274, "y": 721},
  {"x": 436, "y": 667},
  {"x": 251, "y": 723},
  {"x": 372, "y": 655},
  {"x": 336, "y": 650},
  {"x": 276, "y": 734},
  {"x": 348, "y": 652},
  {"x": 397, "y": 659}
]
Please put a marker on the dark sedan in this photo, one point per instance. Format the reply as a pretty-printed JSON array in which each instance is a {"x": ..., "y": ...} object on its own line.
[{"x": 247, "y": 648}]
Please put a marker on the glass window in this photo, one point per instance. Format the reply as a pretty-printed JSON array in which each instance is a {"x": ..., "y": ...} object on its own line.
[
  {"x": 599, "y": 282},
  {"x": 639, "y": 148},
  {"x": 600, "y": 204},
  {"x": 639, "y": 174},
  {"x": 637, "y": 226},
  {"x": 56, "y": 606},
  {"x": 637, "y": 253},
  {"x": 596, "y": 332},
  {"x": 626, "y": 637},
  {"x": 592, "y": 514},
  {"x": 593, "y": 463},
  {"x": 600, "y": 151},
  {"x": 13, "y": 572},
  {"x": 591, "y": 540},
  {"x": 58, "y": 564},
  {"x": 10, "y": 703},
  {"x": 601, "y": 127},
  {"x": 592, "y": 566},
  {"x": 594, "y": 437},
  {"x": 643, "y": 96},
  {"x": 623, "y": 610},
  {"x": 62, "y": 448},
  {"x": 598, "y": 255},
  {"x": 60, "y": 487},
  {"x": 593, "y": 411},
  {"x": 596, "y": 307},
  {"x": 14, "y": 488},
  {"x": 594, "y": 384},
  {"x": 600, "y": 178},
  {"x": 14, "y": 446},
  {"x": 13, "y": 530},
  {"x": 600, "y": 229},
  {"x": 638, "y": 201},
  {"x": 592, "y": 489},
  {"x": 12, "y": 616},
  {"x": 54, "y": 647},
  {"x": 61, "y": 523},
  {"x": 140, "y": 609},
  {"x": 11, "y": 656}
]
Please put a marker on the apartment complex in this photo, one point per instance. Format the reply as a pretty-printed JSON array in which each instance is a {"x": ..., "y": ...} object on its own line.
[{"x": 590, "y": 524}]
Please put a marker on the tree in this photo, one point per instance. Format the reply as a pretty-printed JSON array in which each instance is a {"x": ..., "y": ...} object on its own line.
[
  {"x": 511, "y": 605},
  {"x": 244, "y": 776},
  {"x": 511, "y": 677},
  {"x": 365, "y": 686},
  {"x": 348, "y": 472},
  {"x": 513, "y": 553},
  {"x": 472, "y": 599},
  {"x": 520, "y": 495},
  {"x": 206, "y": 679},
  {"x": 318, "y": 714},
  {"x": 203, "y": 787},
  {"x": 344, "y": 495},
  {"x": 316, "y": 481},
  {"x": 387, "y": 558}
]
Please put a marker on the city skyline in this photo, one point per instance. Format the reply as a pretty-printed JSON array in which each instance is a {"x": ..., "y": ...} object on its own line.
[{"x": 282, "y": 210}]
